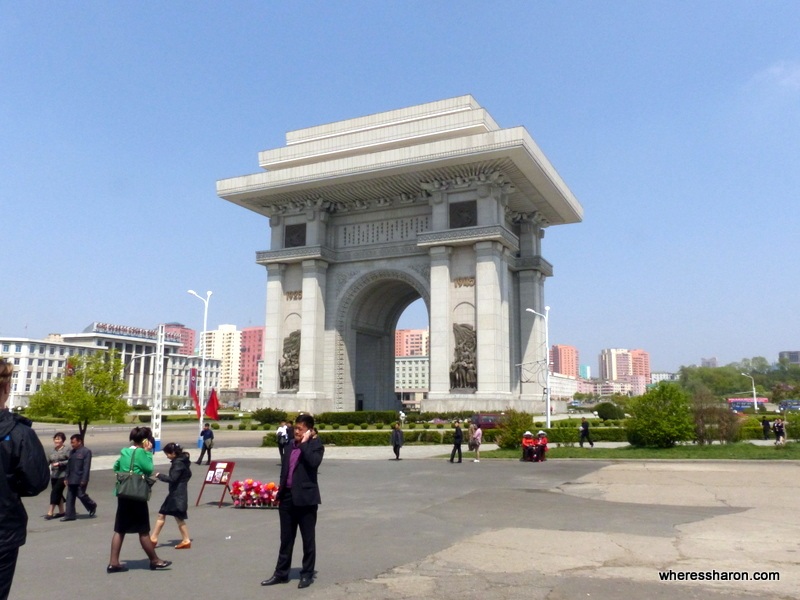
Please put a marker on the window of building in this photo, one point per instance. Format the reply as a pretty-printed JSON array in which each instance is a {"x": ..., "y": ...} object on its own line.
[
  {"x": 18, "y": 348},
  {"x": 5, "y": 347}
]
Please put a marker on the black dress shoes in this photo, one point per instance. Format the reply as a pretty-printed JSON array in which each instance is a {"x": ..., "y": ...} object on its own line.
[
  {"x": 160, "y": 565},
  {"x": 67, "y": 519},
  {"x": 305, "y": 582},
  {"x": 275, "y": 580},
  {"x": 116, "y": 569}
]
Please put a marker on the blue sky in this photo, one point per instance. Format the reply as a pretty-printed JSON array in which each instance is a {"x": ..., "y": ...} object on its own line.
[{"x": 676, "y": 124}]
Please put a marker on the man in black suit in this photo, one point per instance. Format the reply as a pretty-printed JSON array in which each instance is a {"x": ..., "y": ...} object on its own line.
[
  {"x": 79, "y": 465},
  {"x": 299, "y": 498}
]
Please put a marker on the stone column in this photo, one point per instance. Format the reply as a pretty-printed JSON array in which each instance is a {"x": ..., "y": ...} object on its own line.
[
  {"x": 312, "y": 332},
  {"x": 273, "y": 336},
  {"x": 532, "y": 350},
  {"x": 441, "y": 332},
  {"x": 491, "y": 326}
]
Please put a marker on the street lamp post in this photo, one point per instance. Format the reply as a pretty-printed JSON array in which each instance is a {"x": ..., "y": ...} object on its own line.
[
  {"x": 546, "y": 317},
  {"x": 202, "y": 390},
  {"x": 755, "y": 402}
]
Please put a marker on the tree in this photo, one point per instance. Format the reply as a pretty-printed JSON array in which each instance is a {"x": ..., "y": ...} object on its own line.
[
  {"x": 91, "y": 390},
  {"x": 512, "y": 427},
  {"x": 661, "y": 418}
]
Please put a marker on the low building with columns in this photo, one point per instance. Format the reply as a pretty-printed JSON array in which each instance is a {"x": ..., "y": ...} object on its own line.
[{"x": 366, "y": 216}]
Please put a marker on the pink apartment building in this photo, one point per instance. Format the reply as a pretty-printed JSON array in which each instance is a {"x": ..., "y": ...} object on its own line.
[{"x": 252, "y": 351}]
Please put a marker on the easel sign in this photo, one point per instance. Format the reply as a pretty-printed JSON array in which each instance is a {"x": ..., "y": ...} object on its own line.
[{"x": 219, "y": 473}]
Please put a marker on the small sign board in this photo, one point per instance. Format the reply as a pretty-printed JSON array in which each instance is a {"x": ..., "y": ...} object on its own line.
[{"x": 219, "y": 473}]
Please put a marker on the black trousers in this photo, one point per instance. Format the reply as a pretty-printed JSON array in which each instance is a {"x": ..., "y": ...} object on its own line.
[
  {"x": 456, "y": 448},
  {"x": 203, "y": 451},
  {"x": 291, "y": 519},
  {"x": 8, "y": 563},
  {"x": 76, "y": 491},
  {"x": 396, "y": 451}
]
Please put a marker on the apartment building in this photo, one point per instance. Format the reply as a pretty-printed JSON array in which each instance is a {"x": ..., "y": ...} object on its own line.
[
  {"x": 252, "y": 351},
  {"x": 565, "y": 360},
  {"x": 224, "y": 344},
  {"x": 411, "y": 342}
]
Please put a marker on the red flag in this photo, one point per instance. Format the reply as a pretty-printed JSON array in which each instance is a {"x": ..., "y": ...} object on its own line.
[
  {"x": 212, "y": 408},
  {"x": 193, "y": 390}
]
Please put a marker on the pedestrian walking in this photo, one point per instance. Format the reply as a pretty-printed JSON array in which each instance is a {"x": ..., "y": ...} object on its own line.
[
  {"x": 397, "y": 439},
  {"x": 458, "y": 439},
  {"x": 79, "y": 467},
  {"x": 176, "y": 504},
  {"x": 133, "y": 516},
  {"x": 58, "y": 471},
  {"x": 585, "y": 437},
  {"x": 475, "y": 442}
]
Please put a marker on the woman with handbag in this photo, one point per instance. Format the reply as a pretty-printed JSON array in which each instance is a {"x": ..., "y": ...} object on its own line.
[
  {"x": 134, "y": 464},
  {"x": 177, "y": 501}
]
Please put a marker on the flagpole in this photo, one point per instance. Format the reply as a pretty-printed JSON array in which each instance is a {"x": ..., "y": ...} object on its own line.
[{"x": 202, "y": 391}]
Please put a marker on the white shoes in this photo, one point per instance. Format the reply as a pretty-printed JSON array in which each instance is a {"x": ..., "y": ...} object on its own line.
[{"x": 476, "y": 460}]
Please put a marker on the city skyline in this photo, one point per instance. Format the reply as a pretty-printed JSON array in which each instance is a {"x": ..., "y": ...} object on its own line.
[{"x": 677, "y": 130}]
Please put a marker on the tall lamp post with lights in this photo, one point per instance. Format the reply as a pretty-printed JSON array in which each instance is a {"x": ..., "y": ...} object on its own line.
[
  {"x": 202, "y": 391},
  {"x": 753, "y": 381},
  {"x": 546, "y": 317}
]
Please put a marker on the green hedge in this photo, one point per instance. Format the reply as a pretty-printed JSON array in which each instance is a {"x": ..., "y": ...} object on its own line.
[
  {"x": 358, "y": 437},
  {"x": 361, "y": 416}
]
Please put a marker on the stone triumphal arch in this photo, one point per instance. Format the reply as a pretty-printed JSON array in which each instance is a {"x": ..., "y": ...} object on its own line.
[{"x": 367, "y": 215}]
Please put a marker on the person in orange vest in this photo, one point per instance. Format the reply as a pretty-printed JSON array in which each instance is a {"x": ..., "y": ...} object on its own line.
[
  {"x": 540, "y": 447},
  {"x": 528, "y": 445}
]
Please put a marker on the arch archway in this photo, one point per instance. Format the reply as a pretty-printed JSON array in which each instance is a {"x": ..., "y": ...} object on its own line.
[{"x": 367, "y": 318}]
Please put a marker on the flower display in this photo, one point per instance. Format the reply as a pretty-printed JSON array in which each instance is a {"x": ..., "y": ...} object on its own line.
[{"x": 252, "y": 493}]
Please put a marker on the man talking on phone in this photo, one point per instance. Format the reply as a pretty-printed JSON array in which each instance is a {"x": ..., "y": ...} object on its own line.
[{"x": 299, "y": 498}]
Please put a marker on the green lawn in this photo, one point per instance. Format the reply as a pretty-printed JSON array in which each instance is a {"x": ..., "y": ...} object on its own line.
[{"x": 740, "y": 451}]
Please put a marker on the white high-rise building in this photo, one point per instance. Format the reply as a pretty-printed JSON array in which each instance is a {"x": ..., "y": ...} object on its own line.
[{"x": 225, "y": 345}]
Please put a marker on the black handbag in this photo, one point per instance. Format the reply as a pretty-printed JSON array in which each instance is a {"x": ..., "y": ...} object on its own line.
[{"x": 134, "y": 486}]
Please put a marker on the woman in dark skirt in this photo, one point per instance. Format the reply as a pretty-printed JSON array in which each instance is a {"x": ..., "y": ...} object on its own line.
[
  {"x": 133, "y": 515},
  {"x": 177, "y": 501}
]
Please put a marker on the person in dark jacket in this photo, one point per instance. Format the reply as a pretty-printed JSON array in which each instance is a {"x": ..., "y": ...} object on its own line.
[
  {"x": 79, "y": 466},
  {"x": 585, "y": 437},
  {"x": 397, "y": 440},
  {"x": 299, "y": 499},
  {"x": 766, "y": 427},
  {"x": 208, "y": 443},
  {"x": 24, "y": 471},
  {"x": 176, "y": 503},
  {"x": 458, "y": 439}
]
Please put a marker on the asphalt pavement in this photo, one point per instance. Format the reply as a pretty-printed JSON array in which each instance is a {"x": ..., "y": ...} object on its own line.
[{"x": 422, "y": 527}]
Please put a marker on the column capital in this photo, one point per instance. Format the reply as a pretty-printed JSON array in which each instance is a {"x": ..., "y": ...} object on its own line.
[
  {"x": 314, "y": 265},
  {"x": 275, "y": 269},
  {"x": 486, "y": 247}
]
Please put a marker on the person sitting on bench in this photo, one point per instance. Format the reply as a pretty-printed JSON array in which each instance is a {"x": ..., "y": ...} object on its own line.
[
  {"x": 528, "y": 445},
  {"x": 540, "y": 447}
]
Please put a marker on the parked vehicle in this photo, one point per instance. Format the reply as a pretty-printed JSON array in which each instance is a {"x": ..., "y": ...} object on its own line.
[
  {"x": 487, "y": 420},
  {"x": 789, "y": 405}
]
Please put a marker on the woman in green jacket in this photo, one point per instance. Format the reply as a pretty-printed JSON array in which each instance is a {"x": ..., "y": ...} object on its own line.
[{"x": 133, "y": 515}]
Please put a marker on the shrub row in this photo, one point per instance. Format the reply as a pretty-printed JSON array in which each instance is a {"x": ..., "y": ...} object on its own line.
[
  {"x": 361, "y": 416},
  {"x": 357, "y": 437}
]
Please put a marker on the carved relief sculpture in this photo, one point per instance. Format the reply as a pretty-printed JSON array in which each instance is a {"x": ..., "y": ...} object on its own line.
[
  {"x": 289, "y": 365},
  {"x": 463, "y": 371}
]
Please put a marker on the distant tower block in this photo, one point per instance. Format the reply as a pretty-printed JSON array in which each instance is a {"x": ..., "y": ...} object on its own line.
[{"x": 367, "y": 215}]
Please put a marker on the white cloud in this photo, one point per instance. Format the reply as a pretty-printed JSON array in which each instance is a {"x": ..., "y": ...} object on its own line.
[{"x": 783, "y": 75}]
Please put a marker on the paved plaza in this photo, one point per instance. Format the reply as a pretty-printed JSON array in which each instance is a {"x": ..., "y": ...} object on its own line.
[{"x": 424, "y": 528}]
